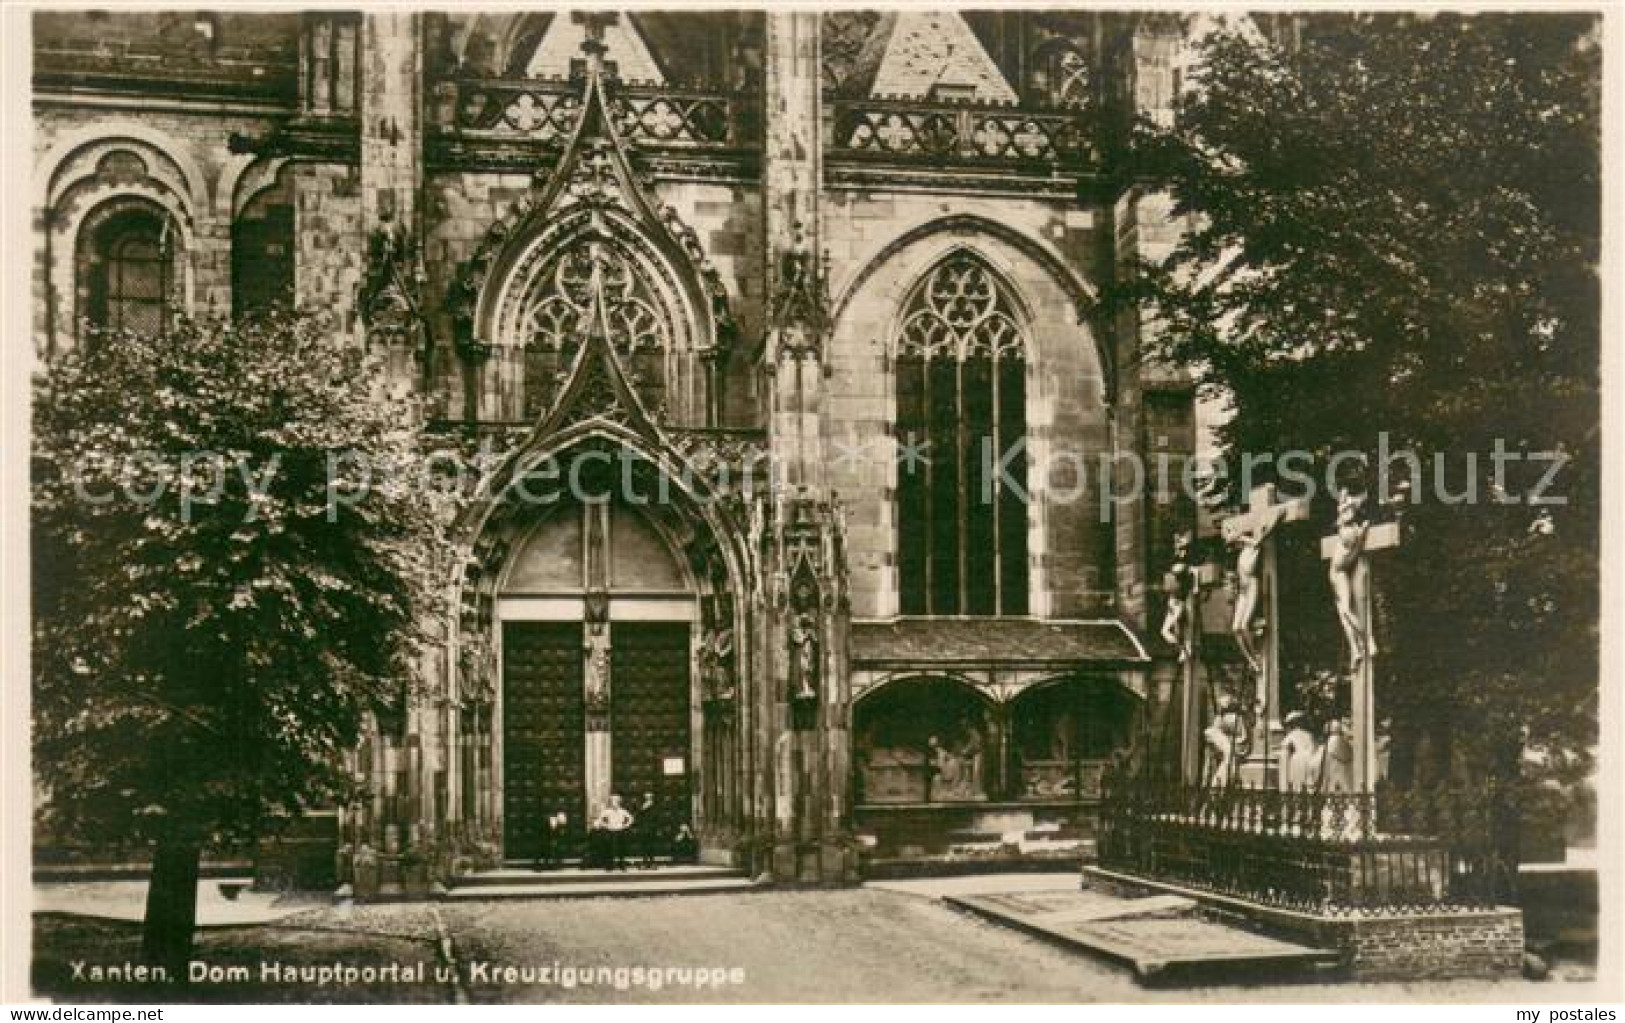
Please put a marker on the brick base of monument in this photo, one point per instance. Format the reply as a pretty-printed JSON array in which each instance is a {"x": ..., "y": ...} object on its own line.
[{"x": 1431, "y": 944}]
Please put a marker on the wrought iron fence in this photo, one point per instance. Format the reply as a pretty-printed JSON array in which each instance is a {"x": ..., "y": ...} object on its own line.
[{"x": 1334, "y": 853}]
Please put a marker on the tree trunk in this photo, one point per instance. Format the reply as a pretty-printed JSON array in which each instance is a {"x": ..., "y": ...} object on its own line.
[{"x": 166, "y": 933}]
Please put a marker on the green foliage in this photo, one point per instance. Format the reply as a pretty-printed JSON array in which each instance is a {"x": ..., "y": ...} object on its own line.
[
  {"x": 207, "y": 657},
  {"x": 1394, "y": 228}
]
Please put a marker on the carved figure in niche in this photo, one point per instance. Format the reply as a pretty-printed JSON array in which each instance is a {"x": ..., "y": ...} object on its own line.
[
  {"x": 1176, "y": 631},
  {"x": 804, "y": 657},
  {"x": 956, "y": 774},
  {"x": 971, "y": 752},
  {"x": 1300, "y": 755},
  {"x": 945, "y": 768},
  {"x": 597, "y": 669},
  {"x": 387, "y": 297},
  {"x": 1351, "y": 574},
  {"x": 716, "y": 662}
]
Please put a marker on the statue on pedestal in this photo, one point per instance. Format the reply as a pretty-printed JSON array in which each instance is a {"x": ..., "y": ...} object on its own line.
[
  {"x": 1181, "y": 584},
  {"x": 1300, "y": 755},
  {"x": 1228, "y": 741},
  {"x": 1337, "y": 758},
  {"x": 804, "y": 650},
  {"x": 716, "y": 663}
]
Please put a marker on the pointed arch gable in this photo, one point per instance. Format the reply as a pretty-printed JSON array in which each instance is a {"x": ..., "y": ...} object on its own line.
[
  {"x": 595, "y": 198},
  {"x": 532, "y": 249},
  {"x": 689, "y": 491}
]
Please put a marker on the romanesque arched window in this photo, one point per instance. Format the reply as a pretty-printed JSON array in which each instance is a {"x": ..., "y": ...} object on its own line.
[
  {"x": 125, "y": 270},
  {"x": 962, "y": 466}
]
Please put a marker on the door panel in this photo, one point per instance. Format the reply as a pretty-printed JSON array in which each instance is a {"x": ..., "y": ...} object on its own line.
[
  {"x": 543, "y": 721},
  {"x": 649, "y": 716}
]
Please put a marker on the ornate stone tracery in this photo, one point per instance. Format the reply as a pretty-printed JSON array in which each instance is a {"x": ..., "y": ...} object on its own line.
[
  {"x": 522, "y": 295},
  {"x": 388, "y": 298},
  {"x": 961, "y": 311},
  {"x": 552, "y": 315}
]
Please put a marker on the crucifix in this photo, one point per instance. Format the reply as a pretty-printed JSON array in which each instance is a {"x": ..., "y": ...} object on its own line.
[
  {"x": 1182, "y": 629},
  {"x": 1253, "y": 531},
  {"x": 593, "y": 24},
  {"x": 1348, "y": 552}
]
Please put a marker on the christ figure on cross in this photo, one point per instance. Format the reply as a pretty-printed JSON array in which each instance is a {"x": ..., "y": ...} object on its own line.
[
  {"x": 1249, "y": 576},
  {"x": 1350, "y": 574}
]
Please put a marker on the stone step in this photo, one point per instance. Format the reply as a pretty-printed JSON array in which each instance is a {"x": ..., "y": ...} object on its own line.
[
  {"x": 510, "y": 877},
  {"x": 616, "y": 886}
]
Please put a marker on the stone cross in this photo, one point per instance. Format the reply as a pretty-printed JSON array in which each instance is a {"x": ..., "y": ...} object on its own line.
[
  {"x": 1349, "y": 553},
  {"x": 1256, "y": 583}
]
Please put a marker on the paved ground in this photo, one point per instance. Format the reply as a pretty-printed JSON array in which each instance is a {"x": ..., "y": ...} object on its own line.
[
  {"x": 391, "y": 950},
  {"x": 857, "y": 945},
  {"x": 897, "y": 943},
  {"x": 127, "y": 900}
]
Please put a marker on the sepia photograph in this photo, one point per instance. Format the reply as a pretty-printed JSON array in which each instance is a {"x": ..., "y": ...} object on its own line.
[{"x": 810, "y": 505}]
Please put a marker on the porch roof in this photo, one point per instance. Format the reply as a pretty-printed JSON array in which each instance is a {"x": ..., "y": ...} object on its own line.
[{"x": 994, "y": 641}]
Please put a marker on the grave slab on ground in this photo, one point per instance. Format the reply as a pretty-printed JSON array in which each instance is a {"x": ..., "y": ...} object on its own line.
[{"x": 1164, "y": 939}]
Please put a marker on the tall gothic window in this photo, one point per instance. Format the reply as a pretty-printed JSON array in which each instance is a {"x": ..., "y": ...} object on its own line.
[
  {"x": 125, "y": 266},
  {"x": 962, "y": 468}
]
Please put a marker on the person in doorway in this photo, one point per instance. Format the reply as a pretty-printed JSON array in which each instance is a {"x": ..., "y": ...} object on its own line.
[
  {"x": 683, "y": 847},
  {"x": 613, "y": 823},
  {"x": 558, "y": 827},
  {"x": 547, "y": 851},
  {"x": 646, "y": 829}
]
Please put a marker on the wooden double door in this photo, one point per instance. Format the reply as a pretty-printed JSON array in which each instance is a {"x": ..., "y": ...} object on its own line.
[{"x": 547, "y": 755}]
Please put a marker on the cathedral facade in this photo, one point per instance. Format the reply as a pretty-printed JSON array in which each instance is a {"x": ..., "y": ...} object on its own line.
[{"x": 806, "y": 308}]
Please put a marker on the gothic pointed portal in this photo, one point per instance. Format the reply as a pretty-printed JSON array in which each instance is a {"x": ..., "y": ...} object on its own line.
[{"x": 935, "y": 55}]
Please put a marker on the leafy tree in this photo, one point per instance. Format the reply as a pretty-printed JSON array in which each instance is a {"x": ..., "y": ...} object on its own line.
[
  {"x": 1393, "y": 227},
  {"x": 213, "y": 625}
]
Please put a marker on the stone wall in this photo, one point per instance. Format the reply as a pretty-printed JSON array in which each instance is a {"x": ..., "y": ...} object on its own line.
[{"x": 330, "y": 243}]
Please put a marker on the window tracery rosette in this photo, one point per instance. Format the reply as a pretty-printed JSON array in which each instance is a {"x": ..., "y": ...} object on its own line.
[
  {"x": 553, "y": 317},
  {"x": 962, "y": 312}
]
